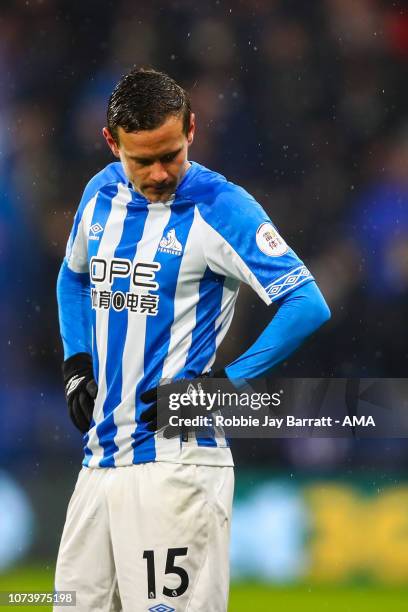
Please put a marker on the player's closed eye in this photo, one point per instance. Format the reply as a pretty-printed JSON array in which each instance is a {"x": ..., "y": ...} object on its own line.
[
  {"x": 169, "y": 157},
  {"x": 142, "y": 162},
  {"x": 164, "y": 160}
]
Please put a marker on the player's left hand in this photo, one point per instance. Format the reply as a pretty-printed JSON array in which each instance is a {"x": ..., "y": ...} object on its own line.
[{"x": 189, "y": 386}]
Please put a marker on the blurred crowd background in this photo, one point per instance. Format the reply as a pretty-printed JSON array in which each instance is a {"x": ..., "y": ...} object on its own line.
[{"x": 303, "y": 104}]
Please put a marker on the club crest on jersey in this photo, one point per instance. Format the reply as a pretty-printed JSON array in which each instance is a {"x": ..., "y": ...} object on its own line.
[
  {"x": 269, "y": 241},
  {"x": 95, "y": 229},
  {"x": 170, "y": 244}
]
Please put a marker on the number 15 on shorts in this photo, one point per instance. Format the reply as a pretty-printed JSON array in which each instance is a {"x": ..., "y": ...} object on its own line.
[{"x": 171, "y": 568}]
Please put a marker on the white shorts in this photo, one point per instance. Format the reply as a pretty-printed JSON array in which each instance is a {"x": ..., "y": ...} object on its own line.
[{"x": 143, "y": 535}]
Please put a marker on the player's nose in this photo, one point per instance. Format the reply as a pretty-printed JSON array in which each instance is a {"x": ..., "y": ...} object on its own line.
[{"x": 158, "y": 173}]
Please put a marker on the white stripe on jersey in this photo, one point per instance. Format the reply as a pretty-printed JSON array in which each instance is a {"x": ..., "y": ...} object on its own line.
[
  {"x": 124, "y": 415},
  {"x": 109, "y": 241},
  {"x": 76, "y": 253}
]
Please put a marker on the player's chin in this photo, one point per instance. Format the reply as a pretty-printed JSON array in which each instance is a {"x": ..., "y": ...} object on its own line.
[{"x": 158, "y": 195}]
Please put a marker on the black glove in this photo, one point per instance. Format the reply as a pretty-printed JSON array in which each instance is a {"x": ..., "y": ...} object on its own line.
[
  {"x": 149, "y": 416},
  {"x": 80, "y": 389}
]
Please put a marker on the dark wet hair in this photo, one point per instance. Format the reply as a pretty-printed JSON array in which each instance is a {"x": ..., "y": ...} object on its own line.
[{"x": 143, "y": 100}]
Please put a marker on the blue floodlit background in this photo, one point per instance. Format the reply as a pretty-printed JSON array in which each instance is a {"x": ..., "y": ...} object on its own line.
[{"x": 304, "y": 104}]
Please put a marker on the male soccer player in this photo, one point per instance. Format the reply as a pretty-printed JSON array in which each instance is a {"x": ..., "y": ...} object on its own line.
[{"x": 146, "y": 292}]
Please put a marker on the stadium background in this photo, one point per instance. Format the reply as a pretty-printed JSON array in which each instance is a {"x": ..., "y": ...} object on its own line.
[{"x": 304, "y": 104}]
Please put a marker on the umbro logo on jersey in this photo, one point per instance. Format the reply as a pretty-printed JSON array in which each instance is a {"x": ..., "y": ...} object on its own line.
[
  {"x": 170, "y": 244},
  {"x": 95, "y": 229},
  {"x": 73, "y": 383},
  {"x": 161, "y": 608}
]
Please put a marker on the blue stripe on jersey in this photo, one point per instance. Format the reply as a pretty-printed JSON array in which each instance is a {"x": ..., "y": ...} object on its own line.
[
  {"x": 132, "y": 232},
  {"x": 95, "y": 362},
  {"x": 158, "y": 329},
  {"x": 204, "y": 335},
  {"x": 102, "y": 210}
]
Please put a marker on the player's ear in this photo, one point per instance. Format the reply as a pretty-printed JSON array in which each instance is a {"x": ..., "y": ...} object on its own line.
[
  {"x": 191, "y": 129},
  {"x": 111, "y": 142}
]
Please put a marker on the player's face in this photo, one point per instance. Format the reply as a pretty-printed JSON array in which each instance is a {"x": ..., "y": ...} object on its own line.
[{"x": 154, "y": 160}]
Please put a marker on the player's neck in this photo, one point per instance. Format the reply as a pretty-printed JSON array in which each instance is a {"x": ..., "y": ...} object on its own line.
[{"x": 187, "y": 166}]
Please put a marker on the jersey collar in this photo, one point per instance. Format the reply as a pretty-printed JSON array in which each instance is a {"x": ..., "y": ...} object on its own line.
[{"x": 180, "y": 192}]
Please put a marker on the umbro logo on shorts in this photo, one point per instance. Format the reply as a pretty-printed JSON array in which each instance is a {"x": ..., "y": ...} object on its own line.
[
  {"x": 161, "y": 608},
  {"x": 170, "y": 244}
]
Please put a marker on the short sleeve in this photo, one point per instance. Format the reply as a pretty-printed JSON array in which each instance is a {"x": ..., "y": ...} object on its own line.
[
  {"x": 240, "y": 241},
  {"x": 76, "y": 255}
]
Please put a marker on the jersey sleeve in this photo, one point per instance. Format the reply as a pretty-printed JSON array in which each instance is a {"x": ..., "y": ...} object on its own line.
[
  {"x": 74, "y": 311},
  {"x": 76, "y": 255},
  {"x": 241, "y": 242},
  {"x": 73, "y": 285}
]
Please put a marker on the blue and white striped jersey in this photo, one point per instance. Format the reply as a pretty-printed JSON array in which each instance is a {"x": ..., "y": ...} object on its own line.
[{"x": 163, "y": 280}]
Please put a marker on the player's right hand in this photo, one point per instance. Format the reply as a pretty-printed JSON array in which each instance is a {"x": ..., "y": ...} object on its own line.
[{"x": 80, "y": 389}]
